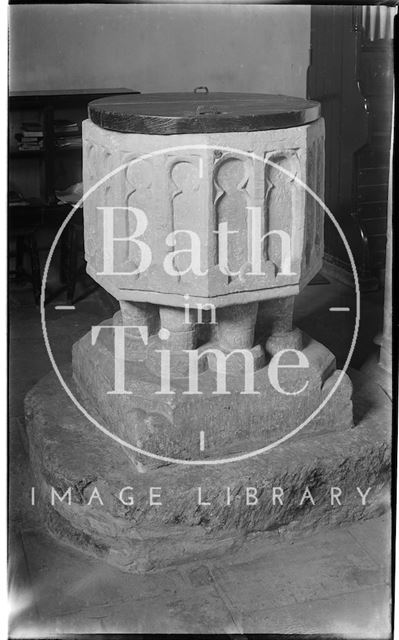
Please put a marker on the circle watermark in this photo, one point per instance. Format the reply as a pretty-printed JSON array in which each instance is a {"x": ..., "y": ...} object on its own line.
[{"x": 212, "y": 461}]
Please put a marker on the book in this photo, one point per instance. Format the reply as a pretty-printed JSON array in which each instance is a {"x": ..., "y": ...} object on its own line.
[
  {"x": 32, "y": 134},
  {"x": 28, "y": 139},
  {"x": 31, "y": 127},
  {"x": 71, "y": 141},
  {"x": 30, "y": 147},
  {"x": 65, "y": 126}
]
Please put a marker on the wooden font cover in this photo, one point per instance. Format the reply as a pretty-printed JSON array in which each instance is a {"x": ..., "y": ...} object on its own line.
[{"x": 201, "y": 112}]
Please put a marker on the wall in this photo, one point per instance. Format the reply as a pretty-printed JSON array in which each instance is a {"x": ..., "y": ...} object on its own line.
[{"x": 160, "y": 47}]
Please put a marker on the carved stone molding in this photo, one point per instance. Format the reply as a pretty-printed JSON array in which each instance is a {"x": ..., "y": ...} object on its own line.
[{"x": 196, "y": 190}]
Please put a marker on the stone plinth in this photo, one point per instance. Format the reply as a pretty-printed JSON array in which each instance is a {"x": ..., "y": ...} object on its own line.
[
  {"x": 233, "y": 424},
  {"x": 68, "y": 453}
]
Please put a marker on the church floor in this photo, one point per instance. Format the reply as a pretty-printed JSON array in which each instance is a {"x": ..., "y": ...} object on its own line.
[{"x": 334, "y": 580}]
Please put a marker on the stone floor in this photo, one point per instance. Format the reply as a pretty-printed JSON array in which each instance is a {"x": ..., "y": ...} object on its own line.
[{"x": 333, "y": 581}]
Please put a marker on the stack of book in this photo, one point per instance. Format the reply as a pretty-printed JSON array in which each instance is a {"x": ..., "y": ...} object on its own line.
[
  {"x": 66, "y": 134},
  {"x": 31, "y": 137}
]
